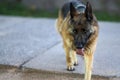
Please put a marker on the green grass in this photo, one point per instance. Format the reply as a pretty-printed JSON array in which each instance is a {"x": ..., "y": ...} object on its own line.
[
  {"x": 17, "y": 9},
  {"x": 105, "y": 16}
]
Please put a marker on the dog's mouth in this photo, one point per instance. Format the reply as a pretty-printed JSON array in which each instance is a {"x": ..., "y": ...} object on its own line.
[{"x": 80, "y": 51}]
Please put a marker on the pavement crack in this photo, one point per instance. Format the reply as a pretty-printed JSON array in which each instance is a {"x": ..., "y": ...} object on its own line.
[
  {"x": 51, "y": 46},
  {"x": 47, "y": 49},
  {"x": 21, "y": 66}
]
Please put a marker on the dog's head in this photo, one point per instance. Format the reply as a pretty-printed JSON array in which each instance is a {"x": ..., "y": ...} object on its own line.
[{"x": 81, "y": 25}]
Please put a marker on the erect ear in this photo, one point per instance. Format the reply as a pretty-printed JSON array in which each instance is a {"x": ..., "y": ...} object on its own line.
[
  {"x": 88, "y": 12},
  {"x": 73, "y": 11}
]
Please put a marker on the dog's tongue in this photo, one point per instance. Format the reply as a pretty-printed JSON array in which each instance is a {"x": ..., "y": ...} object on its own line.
[{"x": 80, "y": 51}]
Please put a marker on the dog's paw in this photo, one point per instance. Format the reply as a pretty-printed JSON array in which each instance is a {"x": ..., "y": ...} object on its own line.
[
  {"x": 70, "y": 68},
  {"x": 76, "y": 64}
]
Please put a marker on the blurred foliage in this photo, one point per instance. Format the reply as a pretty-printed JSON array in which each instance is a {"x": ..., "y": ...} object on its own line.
[
  {"x": 17, "y": 9},
  {"x": 106, "y": 16}
]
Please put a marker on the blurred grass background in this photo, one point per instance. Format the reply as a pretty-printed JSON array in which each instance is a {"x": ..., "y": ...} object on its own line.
[{"x": 18, "y": 9}]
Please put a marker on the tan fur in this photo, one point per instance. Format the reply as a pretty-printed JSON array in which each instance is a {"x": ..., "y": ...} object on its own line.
[{"x": 63, "y": 29}]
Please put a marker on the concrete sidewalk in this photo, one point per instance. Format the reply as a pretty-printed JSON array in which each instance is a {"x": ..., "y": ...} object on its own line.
[{"x": 32, "y": 43}]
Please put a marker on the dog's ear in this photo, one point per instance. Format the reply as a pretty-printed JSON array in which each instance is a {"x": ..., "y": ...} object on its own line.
[
  {"x": 88, "y": 12},
  {"x": 73, "y": 11}
]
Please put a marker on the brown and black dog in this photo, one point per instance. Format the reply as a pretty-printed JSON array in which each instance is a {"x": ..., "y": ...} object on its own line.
[{"x": 78, "y": 27}]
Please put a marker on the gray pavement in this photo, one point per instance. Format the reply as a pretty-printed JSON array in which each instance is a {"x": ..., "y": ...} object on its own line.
[
  {"x": 34, "y": 43},
  {"x": 21, "y": 39}
]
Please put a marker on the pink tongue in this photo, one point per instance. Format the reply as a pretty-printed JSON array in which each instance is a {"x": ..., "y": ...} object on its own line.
[{"x": 80, "y": 51}]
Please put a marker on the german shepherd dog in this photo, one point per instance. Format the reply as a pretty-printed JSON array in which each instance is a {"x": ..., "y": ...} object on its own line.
[{"x": 78, "y": 27}]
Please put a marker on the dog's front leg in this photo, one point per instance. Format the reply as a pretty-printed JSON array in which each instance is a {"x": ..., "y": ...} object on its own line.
[
  {"x": 88, "y": 60},
  {"x": 69, "y": 59}
]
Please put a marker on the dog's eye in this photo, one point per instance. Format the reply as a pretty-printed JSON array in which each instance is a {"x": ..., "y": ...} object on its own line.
[
  {"x": 84, "y": 30},
  {"x": 75, "y": 31},
  {"x": 72, "y": 21}
]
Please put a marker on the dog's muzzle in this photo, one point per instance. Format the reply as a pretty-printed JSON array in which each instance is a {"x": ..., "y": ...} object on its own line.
[{"x": 79, "y": 48}]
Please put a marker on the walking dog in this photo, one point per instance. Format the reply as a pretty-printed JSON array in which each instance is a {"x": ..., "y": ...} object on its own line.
[{"x": 78, "y": 28}]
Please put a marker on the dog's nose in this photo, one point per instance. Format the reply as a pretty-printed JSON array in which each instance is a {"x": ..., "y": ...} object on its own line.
[{"x": 79, "y": 45}]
